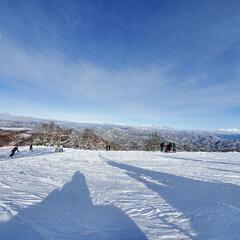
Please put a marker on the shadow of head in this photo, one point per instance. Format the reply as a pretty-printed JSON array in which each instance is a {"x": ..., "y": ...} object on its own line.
[{"x": 69, "y": 213}]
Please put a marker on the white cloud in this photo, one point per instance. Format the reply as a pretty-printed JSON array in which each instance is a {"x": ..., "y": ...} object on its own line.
[
  {"x": 152, "y": 90},
  {"x": 71, "y": 79},
  {"x": 230, "y": 130}
]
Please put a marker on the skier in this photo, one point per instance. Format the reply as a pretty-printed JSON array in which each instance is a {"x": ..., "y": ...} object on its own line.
[
  {"x": 168, "y": 147},
  {"x": 162, "y": 146},
  {"x": 13, "y": 151},
  {"x": 61, "y": 148},
  {"x": 31, "y": 147},
  {"x": 173, "y": 147},
  {"x": 109, "y": 147},
  {"x": 56, "y": 148}
]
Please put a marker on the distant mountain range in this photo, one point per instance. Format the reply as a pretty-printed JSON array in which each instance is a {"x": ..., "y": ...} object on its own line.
[{"x": 136, "y": 137}]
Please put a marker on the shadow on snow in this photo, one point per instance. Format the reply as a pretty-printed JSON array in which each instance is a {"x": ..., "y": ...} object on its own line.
[
  {"x": 213, "y": 208},
  {"x": 69, "y": 214}
]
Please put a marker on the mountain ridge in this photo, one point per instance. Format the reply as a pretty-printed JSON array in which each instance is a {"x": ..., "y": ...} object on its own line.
[{"x": 131, "y": 137}]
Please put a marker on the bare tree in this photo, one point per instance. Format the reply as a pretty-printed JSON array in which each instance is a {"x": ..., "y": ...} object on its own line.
[{"x": 153, "y": 142}]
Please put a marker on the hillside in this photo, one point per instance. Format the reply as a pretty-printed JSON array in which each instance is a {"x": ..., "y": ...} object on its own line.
[{"x": 119, "y": 136}]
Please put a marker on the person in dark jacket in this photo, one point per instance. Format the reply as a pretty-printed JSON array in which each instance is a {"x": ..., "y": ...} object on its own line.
[
  {"x": 31, "y": 148},
  {"x": 162, "y": 146},
  {"x": 168, "y": 147},
  {"x": 13, "y": 151},
  {"x": 173, "y": 147}
]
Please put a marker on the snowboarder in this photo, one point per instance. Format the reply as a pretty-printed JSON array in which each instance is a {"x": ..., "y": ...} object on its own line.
[
  {"x": 13, "y": 151},
  {"x": 31, "y": 147},
  {"x": 162, "y": 146}
]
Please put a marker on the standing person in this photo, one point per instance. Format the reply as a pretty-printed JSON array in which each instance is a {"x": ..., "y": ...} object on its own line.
[
  {"x": 173, "y": 147},
  {"x": 61, "y": 148},
  {"x": 31, "y": 147},
  {"x": 56, "y": 148},
  {"x": 13, "y": 151},
  {"x": 168, "y": 147},
  {"x": 109, "y": 147},
  {"x": 162, "y": 146}
]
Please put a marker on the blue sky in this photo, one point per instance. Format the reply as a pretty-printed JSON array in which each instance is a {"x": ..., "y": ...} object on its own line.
[{"x": 161, "y": 62}]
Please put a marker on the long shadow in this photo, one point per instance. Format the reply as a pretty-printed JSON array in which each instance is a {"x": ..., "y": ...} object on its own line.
[
  {"x": 213, "y": 208},
  {"x": 69, "y": 214},
  {"x": 198, "y": 160}
]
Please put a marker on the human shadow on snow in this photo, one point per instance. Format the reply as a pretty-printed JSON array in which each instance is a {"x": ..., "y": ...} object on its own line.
[
  {"x": 69, "y": 214},
  {"x": 213, "y": 208}
]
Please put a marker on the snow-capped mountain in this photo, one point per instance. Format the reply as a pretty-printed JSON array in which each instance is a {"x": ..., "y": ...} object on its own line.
[{"x": 135, "y": 137}]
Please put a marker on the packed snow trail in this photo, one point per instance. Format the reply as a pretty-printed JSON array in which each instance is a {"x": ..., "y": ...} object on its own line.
[{"x": 118, "y": 195}]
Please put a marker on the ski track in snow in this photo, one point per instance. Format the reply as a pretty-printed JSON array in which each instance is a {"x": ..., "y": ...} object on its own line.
[{"x": 80, "y": 194}]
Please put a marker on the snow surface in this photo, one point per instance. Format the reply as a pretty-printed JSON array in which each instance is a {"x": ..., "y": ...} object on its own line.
[
  {"x": 15, "y": 128},
  {"x": 118, "y": 195}
]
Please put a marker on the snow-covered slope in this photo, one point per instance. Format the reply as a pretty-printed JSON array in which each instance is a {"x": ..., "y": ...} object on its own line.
[{"x": 119, "y": 195}]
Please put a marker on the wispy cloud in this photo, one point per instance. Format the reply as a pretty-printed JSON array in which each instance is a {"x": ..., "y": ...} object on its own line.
[
  {"x": 152, "y": 91},
  {"x": 53, "y": 71}
]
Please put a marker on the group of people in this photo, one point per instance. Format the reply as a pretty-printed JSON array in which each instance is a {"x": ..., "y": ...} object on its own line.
[
  {"x": 108, "y": 147},
  {"x": 170, "y": 147},
  {"x": 15, "y": 149},
  {"x": 59, "y": 148}
]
